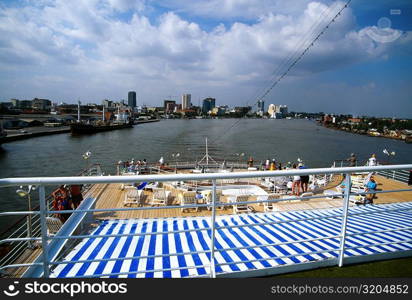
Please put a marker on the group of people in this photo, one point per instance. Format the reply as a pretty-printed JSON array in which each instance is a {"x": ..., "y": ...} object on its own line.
[
  {"x": 299, "y": 181},
  {"x": 132, "y": 165},
  {"x": 370, "y": 162},
  {"x": 67, "y": 198}
]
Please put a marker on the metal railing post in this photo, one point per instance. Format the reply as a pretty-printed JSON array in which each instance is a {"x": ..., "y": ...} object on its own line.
[
  {"x": 44, "y": 238},
  {"x": 344, "y": 219},
  {"x": 212, "y": 241}
]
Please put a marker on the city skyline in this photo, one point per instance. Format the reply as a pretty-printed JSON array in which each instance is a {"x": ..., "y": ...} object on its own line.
[{"x": 102, "y": 49}]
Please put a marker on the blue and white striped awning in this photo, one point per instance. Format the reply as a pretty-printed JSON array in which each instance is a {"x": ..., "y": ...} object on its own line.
[{"x": 237, "y": 249}]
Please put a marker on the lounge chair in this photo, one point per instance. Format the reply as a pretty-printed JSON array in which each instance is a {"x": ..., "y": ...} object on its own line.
[
  {"x": 53, "y": 225},
  {"x": 132, "y": 196},
  {"x": 218, "y": 200},
  {"x": 239, "y": 208},
  {"x": 160, "y": 196},
  {"x": 271, "y": 206},
  {"x": 188, "y": 198}
]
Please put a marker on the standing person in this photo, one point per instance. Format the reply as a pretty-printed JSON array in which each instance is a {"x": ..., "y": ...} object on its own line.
[
  {"x": 267, "y": 164},
  {"x": 352, "y": 160},
  {"x": 76, "y": 195},
  {"x": 273, "y": 165},
  {"x": 304, "y": 179},
  {"x": 296, "y": 183},
  {"x": 370, "y": 188},
  {"x": 250, "y": 162},
  {"x": 372, "y": 161}
]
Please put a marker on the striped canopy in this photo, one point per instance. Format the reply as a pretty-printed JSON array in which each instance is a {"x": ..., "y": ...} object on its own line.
[{"x": 251, "y": 245}]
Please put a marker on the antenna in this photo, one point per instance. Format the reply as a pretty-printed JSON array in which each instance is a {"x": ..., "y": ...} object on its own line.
[{"x": 207, "y": 156}]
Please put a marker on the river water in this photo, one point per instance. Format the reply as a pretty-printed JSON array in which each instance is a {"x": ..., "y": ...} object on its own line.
[{"x": 285, "y": 140}]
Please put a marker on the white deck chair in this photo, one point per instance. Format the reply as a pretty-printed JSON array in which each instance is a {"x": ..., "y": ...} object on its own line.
[
  {"x": 271, "y": 206},
  {"x": 239, "y": 208},
  {"x": 217, "y": 200},
  {"x": 132, "y": 196},
  {"x": 188, "y": 198},
  {"x": 160, "y": 197},
  {"x": 53, "y": 225}
]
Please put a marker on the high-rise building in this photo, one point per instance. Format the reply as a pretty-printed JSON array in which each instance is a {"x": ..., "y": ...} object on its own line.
[
  {"x": 261, "y": 107},
  {"x": 186, "y": 104},
  {"x": 131, "y": 99},
  {"x": 208, "y": 104},
  {"x": 277, "y": 111},
  {"x": 169, "y": 106},
  {"x": 41, "y": 104}
]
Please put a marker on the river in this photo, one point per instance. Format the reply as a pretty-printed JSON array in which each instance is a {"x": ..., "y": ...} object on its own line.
[{"x": 285, "y": 140}]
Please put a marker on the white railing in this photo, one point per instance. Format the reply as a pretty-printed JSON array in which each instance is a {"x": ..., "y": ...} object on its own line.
[{"x": 41, "y": 267}]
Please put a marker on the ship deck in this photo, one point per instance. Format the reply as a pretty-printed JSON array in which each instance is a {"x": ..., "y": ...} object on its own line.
[{"x": 110, "y": 196}]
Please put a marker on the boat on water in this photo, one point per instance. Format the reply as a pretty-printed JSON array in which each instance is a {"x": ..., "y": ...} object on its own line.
[
  {"x": 122, "y": 121},
  {"x": 210, "y": 218},
  {"x": 84, "y": 128}
]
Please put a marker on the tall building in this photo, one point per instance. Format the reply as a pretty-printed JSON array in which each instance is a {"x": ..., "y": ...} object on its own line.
[
  {"x": 208, "y": 104},
  {"x": 131, "y": 99},
  {"x": 169, "y": 105},
  {"x": 261, "y": 106},
  {"x": 41, "y": 104},
  {"x": 186, "y": 104},
  {"x": 277, "y": 111}
]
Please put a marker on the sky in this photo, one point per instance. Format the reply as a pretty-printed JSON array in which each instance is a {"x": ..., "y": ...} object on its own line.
[{"x": 232, "y": 50}]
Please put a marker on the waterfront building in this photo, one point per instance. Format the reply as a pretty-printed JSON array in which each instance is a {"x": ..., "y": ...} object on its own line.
[
  {"x": 186, "y": 101},
  {"x": 41, "y": 104},
  {"x": 131, "y": 99},
  {"x": 260, "y": 107},
  {"x": 208, "y": 104},
  {"x": 107, "y": 103},
  {"x": 277, "y": 111},
  {"x": 25, "y": 104},
  {"x": 169, "y": 105}
]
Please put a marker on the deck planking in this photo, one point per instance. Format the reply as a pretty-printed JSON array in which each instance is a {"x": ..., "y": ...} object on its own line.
[{"x": 113, "y": 195}]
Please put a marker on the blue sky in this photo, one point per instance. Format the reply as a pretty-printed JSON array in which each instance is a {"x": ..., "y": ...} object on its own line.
[{"x": 227, "y": 49}]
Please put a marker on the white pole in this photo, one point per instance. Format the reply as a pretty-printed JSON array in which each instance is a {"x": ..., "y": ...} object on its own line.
[
  {"x": 43, "y": 226},
  {"x": 344, "y": 220},
  {"x": 103, "y": 114},
  {"x": 212, "y": 240},
  {"x": 207, "y": 155},
  {"x": 78, "y": 111}
]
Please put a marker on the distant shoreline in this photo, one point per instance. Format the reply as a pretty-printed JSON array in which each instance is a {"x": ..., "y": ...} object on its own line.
[{"x": 366, "y": 134}]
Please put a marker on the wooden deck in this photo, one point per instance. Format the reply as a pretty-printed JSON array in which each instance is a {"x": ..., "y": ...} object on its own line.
[{"x": 112, "y": 197}]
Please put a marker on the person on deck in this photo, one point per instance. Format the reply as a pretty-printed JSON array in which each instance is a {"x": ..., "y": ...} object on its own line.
[
  {"x": 370, "y": 187},
  {"x": 372, "y": 161},
  {"x": 352, "y": 160},
  {"x": 296, "y": 183},
  {"x": 304, "y": 179},
  {"x": 76, "y": 195}
]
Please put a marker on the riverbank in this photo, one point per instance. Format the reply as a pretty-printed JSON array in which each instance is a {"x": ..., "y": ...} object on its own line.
[
  {"x": 406, "y": 140},
  {"x": 27, "y": 133}
]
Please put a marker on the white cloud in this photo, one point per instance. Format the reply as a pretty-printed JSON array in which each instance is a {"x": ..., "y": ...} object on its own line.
[{"x": 95, "y": 46}]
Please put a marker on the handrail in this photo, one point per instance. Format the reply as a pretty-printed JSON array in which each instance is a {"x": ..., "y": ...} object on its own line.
[
  {"x": 6, "y": 182},
  {"x": 49, "y": 253}
]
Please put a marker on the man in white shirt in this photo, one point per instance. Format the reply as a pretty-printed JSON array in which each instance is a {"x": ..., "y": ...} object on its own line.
[{"x": 372, "y": 161}]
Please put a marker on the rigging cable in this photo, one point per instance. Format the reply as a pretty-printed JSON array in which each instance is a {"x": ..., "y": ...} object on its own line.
[{"x": 295, "y": 61}]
